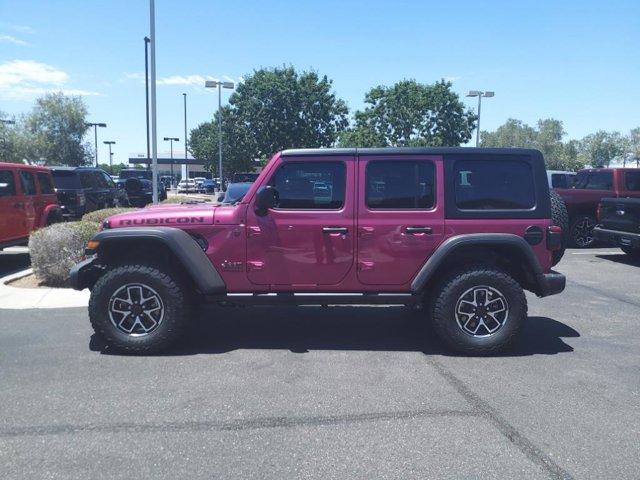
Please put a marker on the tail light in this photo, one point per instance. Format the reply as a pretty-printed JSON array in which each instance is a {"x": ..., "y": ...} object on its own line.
[
  {"x": 554, "y": 237},
  {"x": 599, "y": 212}
]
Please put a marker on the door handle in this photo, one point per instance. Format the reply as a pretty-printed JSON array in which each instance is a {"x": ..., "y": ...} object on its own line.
[
  {"x": 342, "y": 230},
  {"x": 427, "y": 230}
]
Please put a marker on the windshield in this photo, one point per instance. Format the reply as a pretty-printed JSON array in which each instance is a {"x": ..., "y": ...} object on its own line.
[{"x": 235, "y": 192}]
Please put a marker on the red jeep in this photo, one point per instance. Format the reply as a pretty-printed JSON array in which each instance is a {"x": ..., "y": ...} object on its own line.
[
  {"x": 460, "y": 232},
  {"x": 27, "y": 201},
  {"x": 589, "y": 187}
]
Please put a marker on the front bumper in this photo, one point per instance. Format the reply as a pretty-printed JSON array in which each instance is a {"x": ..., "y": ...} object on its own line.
[
  {"x": 550, "y": 283},
  {"x": 616, "y": 238},
  {"x": 84, "y": 274}
]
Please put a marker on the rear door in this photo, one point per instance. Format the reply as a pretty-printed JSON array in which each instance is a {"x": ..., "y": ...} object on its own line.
[
  {"x": 29, "y": 192},
  {"x": 12, "y": 221},
  {"x": 400, "y": 216}
]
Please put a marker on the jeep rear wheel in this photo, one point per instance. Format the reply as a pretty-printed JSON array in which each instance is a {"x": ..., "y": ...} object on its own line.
[
  {"x": 479, "y": 311},
  {"x": 138, "y": 308}
]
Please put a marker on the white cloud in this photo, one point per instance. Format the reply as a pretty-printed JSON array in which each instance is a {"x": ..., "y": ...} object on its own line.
[
  {"x": 451, "y": 78},
  {"x": 11, "y": 39},
  {"x": 134, "y": 76},
  {"x": 195, "y": 80},
  {"x": 27, "y": 78},
  {"x": 22, "y": 29}
]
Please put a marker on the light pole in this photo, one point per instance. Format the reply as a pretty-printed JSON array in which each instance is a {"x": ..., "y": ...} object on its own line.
[
  {"x": 95, "y": 135},
  {"x": 186, "y": 165},
  {"x": 220, "y": 85},
  {"x": 479, "y": 94},
  {"x": 110, "y": 142},
  {"x": 146, "y": 91},
  {"x": 154, "y": 135},
  {"x": 6, "y": 122},
  {"x": 171, "y": 139}
]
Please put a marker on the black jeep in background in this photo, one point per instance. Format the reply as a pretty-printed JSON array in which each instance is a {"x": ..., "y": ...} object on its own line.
[
  {"x": 139, "y": 186},
  {"x": 82, "y": 190}
]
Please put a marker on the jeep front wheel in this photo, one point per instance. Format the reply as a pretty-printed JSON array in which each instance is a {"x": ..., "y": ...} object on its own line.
[
  {"x": 479, "y": 311},
  {"x": 138, "y": 308}
]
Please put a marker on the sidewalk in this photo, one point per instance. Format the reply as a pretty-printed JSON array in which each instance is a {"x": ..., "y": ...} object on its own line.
[{"x": 26, "y": 298}]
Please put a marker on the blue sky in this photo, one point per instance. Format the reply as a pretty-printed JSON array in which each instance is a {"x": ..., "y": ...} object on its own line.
[{"x": 577, "y": 61}]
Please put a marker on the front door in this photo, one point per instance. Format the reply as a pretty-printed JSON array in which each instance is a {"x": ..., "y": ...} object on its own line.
[
  {"x": 307, "y": 240},
  {"x": 400, "y": 216},
  {"x": 12, "y": 213}
]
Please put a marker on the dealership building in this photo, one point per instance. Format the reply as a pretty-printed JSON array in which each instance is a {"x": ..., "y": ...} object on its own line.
[{"x": 181, "y": 167}]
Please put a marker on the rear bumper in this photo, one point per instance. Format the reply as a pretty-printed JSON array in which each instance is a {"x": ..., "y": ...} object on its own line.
[
  {"x": 550, "y": 283},
  {"x": 616, "y": 238}
]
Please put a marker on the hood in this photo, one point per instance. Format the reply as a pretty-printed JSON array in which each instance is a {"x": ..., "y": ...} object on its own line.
[{"x": 165, "y": 216}]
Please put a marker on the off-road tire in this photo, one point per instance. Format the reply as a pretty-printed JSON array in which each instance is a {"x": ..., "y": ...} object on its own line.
[
  {"x": 560, "y": 218},
  {"x": 633, "y": 252},
  {"x": 577, "y": 223},
  {"x": 447, "y": 295},
  {"x": 172, "y": 293}
]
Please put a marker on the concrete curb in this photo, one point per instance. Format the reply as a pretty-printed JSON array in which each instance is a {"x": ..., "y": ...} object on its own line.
[{"x": 46, "y": 297}]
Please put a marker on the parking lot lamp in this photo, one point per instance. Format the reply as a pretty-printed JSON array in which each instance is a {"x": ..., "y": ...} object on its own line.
[
  {"x": 479, "y": 94},
  {"x": 95, "y": 136},
  {"x": 220, "y": 85},
  {"x": 110, "y": 142},
  {"x": 171, "y": 140}
]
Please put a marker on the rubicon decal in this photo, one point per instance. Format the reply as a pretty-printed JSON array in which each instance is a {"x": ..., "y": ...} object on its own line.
[{"x": 161, "y": 221}]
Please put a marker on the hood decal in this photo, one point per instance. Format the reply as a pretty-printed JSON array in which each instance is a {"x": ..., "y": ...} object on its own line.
[{"x": 129, "y": 222}]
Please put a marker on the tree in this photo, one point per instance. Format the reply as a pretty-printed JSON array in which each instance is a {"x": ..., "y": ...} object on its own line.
[
  {"x": 546, "y": 137},
  {"x": 13, "y": 140},
  {"x": 601, "y": 148},
  {"x": 634, "y": 145},
  {"x": 411, "y": 114},
  {"x": 273, "y": 109},
  {"x": 56, "y": 128}
]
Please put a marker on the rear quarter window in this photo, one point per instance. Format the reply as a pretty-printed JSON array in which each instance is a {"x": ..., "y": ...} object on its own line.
[
  {"x": 7, "y": 183},
  {"x": 46, "y": 186},
  {"x": 632, "y": 181},
  {"x": 494, "y": 185}
]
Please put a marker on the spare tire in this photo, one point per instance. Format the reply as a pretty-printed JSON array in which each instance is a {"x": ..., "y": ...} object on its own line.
[
  {"x": 133, "y": 186},
  {"x": 560, "y": 218}
]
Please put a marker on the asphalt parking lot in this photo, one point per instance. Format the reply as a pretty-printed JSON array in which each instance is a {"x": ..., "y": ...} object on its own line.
[{"x": 344, "y": 392}]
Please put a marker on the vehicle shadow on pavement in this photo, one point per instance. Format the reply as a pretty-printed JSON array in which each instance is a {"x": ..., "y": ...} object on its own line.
[
  {"x": 302, "y": 329},
  {"x": 622, "y": 259},
  {"x": 11, "y": 262}
]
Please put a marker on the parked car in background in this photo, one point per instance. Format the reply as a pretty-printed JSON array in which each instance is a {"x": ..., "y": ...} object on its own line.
[
  {"x": 187, "y": 186},
  {"x": 139, "y": 186},
  {"x": 199, "y": 181},
  {"x": 235, "y": 192},
  {"x": 85, "y": 189},
  {"x": 619, "y": 224},
  {"x": 589, "y": 188},
  {"x": 27, "y": 201},
  {"x": 560, "y": 179},
  {"x": 208, "y": 186}
]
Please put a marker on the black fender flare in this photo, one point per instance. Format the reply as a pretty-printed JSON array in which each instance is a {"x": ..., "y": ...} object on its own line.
[
  {"x": 180, "y": 243},
  {"x": 451, "y": 244}
]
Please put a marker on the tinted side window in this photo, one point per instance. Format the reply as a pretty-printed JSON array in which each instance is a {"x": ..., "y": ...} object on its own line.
[
  {"x": 494, "y": 185},
  {"x": 599, "y": 181},
  {"x": 400, "y": 184},
  {"x": 7, "y": 183},
  {"x": 560, "y": 180},
  {"x": 108, "y": 180},
  {"x": 632, "y": 181},
  {"x": 87, "y": 180},
  {"x": 46, "y": 186},
  {"x": 28, "y": 182},
  {"x": 310, "y": 185}
]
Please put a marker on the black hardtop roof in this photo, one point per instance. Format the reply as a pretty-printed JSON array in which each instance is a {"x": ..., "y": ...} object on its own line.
[
  {"x": 70, "y": 169},
  {"x": 311, "y": 152}
]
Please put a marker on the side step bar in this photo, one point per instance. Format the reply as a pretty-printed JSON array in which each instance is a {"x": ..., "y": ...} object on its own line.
[{"x": 233, "y": 299}]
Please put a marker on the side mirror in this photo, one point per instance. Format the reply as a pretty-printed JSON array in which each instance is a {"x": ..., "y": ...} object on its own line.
[{"x": 266, "y": 198}]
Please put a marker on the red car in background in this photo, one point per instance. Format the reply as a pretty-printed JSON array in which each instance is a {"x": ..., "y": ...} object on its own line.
[
  {"x": 589, "y": 187},
  {"x": 27, "y": 201}
]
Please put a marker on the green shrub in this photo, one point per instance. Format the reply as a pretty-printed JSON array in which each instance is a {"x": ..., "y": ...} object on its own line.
[
  {"x": 57, "y": 248},
  {"x": 182, "y": 199},
  {"x": 100, "y": 216}
]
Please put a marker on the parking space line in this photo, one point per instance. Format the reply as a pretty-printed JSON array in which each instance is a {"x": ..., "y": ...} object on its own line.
[
  {"x": 523, "y": 444},
  {"x": 598, "y": 253}
]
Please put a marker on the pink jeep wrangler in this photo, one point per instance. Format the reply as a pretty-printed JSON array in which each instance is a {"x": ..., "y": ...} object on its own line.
[{"x": 458, "y": 231}]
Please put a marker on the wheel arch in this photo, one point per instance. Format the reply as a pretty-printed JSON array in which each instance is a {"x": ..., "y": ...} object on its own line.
[
  {"x": 166, "y": 245},
  {"x": 509, "y": 252}
]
